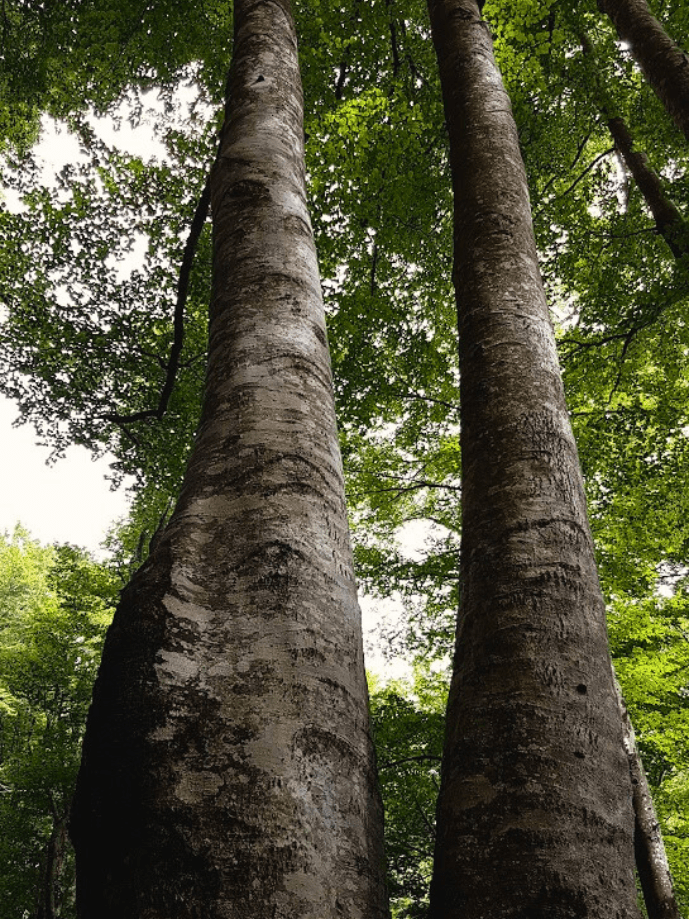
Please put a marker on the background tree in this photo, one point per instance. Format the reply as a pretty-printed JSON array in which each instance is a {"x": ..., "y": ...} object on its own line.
[
  {"x": 663, "y": 62},
  {"x": 55, "y": 604},
  {"x": 377, "y": 164},
  {"x": 408, "y": 720},
  {"x": 535, "y": 793}
]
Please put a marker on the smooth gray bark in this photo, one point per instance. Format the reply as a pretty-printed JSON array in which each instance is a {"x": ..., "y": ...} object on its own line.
[
  {"x": 228, "y": 770},
  {"x": 651, "y": 860},
  {"x": 664, "y": 64},
  {"x": 535, "y": 812}
]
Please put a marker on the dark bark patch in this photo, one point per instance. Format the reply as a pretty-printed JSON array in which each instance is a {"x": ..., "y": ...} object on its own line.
[
  {"x": 307, "y": 655},
  {"x": 320, "y": 335},
  {"x": 297, "y": 226},
  {"x": 248, "y": 189},
  {"x": 315, "y": 742}
]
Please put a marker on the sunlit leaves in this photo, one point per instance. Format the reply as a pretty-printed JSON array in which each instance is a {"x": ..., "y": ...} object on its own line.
[
  {"x": 649, "y": 640},
  {"x": 408, "y": 727},
  {"x": 55, "y": 604}
]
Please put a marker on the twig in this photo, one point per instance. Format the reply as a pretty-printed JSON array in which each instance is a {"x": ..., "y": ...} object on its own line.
[
  {"x": 579, "y": 178},
  {"x": 393, "y": 41}
]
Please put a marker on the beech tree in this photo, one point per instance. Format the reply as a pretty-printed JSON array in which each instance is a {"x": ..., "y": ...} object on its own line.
[
  {"x": 228, "y": 768},
  {"x": 378, "y": 173},
  {"x": 663, "y": 62},
  {"x": 535, "y": 792}
]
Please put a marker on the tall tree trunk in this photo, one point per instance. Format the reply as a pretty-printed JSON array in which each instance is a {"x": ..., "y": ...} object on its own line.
[
  {"x": 663, "y": 62},
  {"x": 535, "y": 811},
  {"x": 227, "y": 769},
  {"x": 668, "y": 219},
  {"x": 651, "y": 860}
]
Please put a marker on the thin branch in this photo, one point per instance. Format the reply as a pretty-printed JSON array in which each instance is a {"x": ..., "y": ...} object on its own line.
[
  {"x": 424, "y": 817},
  {"x": 374, "y": 265},
  {"x": 577, "y": 157},
  {"x": 393, "y": 41},
  {"x": 5, "y": 26},
  {"x": 402, "y": 489},
  {"x": 420, "y": 483},
  {"x": 415, "y": 395},
  {"x": 192, "y": 360},
  {"x": 346, "y": 54},
  {"x": 596, "y": 343},
  {"x": 646, "y": 231},
  {"x": 627, "y": 342},
  {"x": 129, "y": 435},
  {"x": 580, "y": 149},
  {"x": 410, "y": 60},
  {"x": 608, "y": 412},
  {"x": 197, "y": 225},
  {"x": 342, "y": 78},
  {"x": 579, "y": 178}
]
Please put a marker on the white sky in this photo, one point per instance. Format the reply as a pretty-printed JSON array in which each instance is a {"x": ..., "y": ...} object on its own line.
[{"x": 70, "y": 500}]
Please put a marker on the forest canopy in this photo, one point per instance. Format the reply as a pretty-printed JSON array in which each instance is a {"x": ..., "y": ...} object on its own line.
[{"x": 108, "y": 351}]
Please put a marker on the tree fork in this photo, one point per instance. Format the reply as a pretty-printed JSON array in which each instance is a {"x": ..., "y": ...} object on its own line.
[
  {"x": 535, "y": 812},
  {"x": 227, "y": 769}
]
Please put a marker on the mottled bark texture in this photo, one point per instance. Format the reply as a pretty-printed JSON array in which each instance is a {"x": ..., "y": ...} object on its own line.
[
  {"x": 228, "y": 771},
  {"x": 535, "y": 812},
  {"x": 651, "y": 860},
  {"x": 662, "y": 61}
]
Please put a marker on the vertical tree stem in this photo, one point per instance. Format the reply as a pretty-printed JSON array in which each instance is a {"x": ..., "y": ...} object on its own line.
[
  {"x": 228, "y": 770},
  {"x": 535, "y": 815}
]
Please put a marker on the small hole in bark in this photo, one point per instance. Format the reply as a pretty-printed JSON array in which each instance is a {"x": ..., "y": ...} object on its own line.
[
  {"x": 260, "y": 79},
  {"x": 635, "y": 781},
  {"x": 578, "y": 754},
  {"x": 581, "y": 689}
]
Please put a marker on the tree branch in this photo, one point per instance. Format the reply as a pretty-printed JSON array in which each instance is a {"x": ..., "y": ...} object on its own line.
[
  {"x": 393, "y": 40},
  {"x": 579, "y": 178},
  {"x": 197, "y": 225},
  {"x": 374, "y": 265}
]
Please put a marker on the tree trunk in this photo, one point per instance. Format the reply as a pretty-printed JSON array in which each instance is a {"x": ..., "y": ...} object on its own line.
[
  {"x": 662, "y": 61},
  {"x": 651, "y": 860},
  {"x": 535, "y": 813},
  {"x": 228, "y": 770},
  {"x": 668, "y": 219},
  {"x": 48, "y": 896}
]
